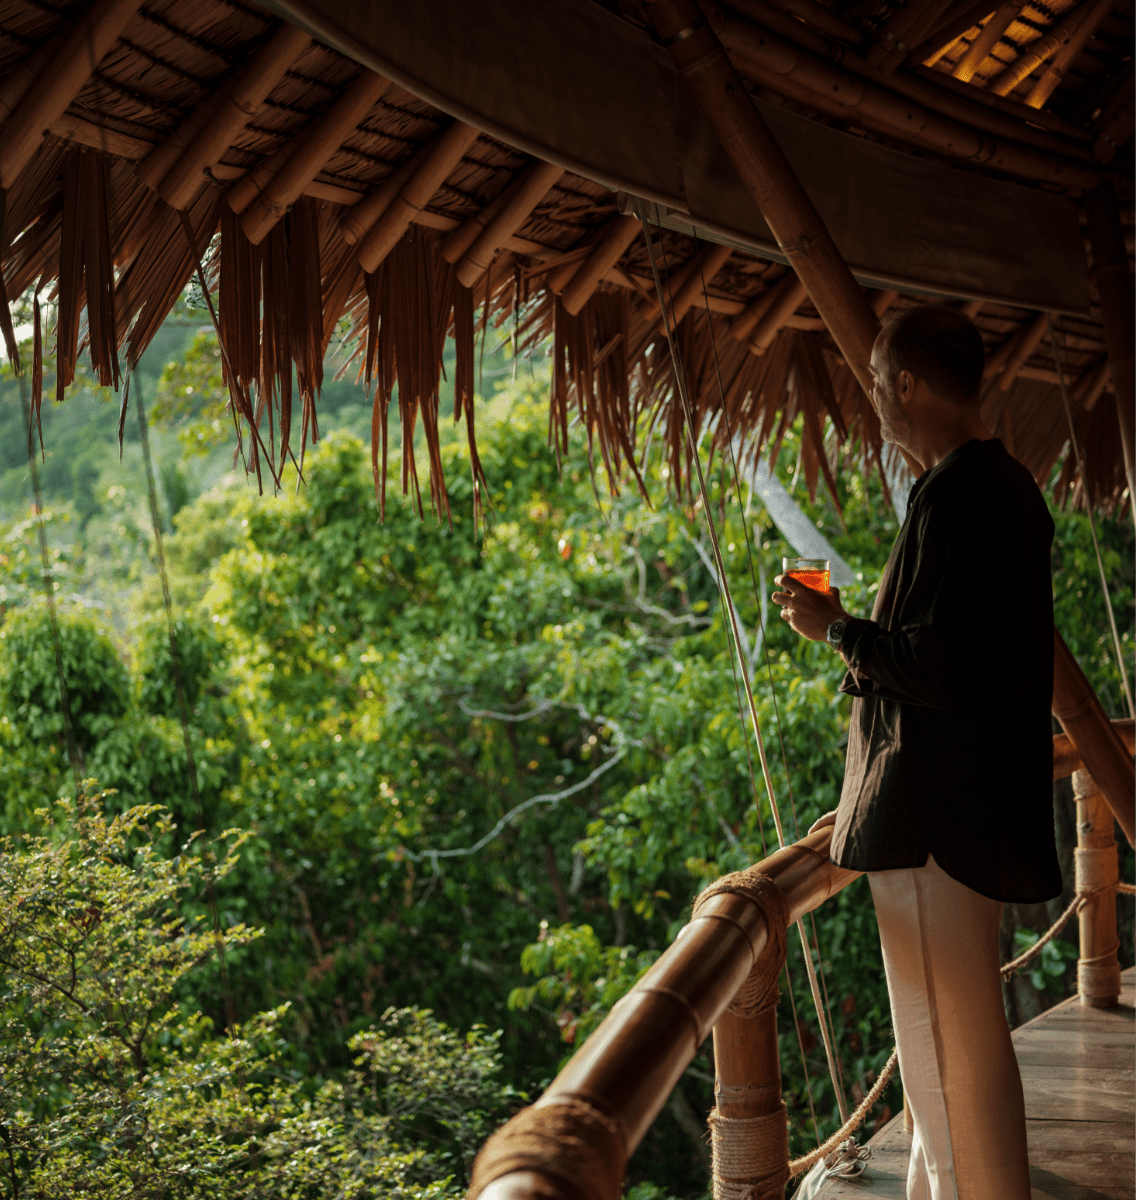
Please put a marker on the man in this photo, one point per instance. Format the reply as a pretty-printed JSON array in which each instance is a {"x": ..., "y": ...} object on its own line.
[{"x": 947, "y": 797}]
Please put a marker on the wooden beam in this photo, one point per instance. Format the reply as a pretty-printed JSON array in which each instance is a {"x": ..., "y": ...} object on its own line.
[
  {"x": 60, "y": 81},
  {"x": 356, "y": 223},
  {"x": 176, "y": 167},
  {"x": 416, "y": 193},
  {"x": 23, "y": 74},
  {"x": 618, "y": 234},
  {"x": 518, "y": 202},
  {"x": 1093, "y": 386},
  {"x": 989, "y": 36},
  {"x": 820, "y": 18},
  {"x": 1042, "y": 50},
  {"x": 310, "y": 151},
  {"x": 702, "y": 270},
  {"x": 881, "y": 301},
  {"x": 761, "y": 163},
  {"x": 788, "y": 292},
  {"x": 1026, "y": 343},
  {"x": 1113, "y": 280}
]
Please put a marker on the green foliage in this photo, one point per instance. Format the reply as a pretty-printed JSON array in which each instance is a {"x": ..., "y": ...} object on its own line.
[
  {"x": 1048, "y": 972},
  {"x": 109, "y": 1087}
]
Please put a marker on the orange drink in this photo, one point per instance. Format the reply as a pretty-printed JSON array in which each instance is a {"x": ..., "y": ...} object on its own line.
[{"x": 812, "y": 572}]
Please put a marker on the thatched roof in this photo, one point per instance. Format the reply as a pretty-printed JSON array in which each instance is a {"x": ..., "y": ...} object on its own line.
[{"x": 447, "y": 170}]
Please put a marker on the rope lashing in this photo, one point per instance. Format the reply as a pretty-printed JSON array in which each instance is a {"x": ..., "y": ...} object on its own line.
[
  {"x": 759, "y": 991},
  {"x": 567, "y": 1139},
  {"x": 749, "y": 1155}
]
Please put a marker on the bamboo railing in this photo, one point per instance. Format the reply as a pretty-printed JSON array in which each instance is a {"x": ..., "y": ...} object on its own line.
[{"x": 721, "y": 975}]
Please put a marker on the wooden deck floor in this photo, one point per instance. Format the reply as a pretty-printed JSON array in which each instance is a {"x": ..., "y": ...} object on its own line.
[{"x": 1077, "y": 1069}]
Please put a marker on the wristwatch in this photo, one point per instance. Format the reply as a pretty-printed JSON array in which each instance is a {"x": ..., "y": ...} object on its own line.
[{"x": 835, "y": 634}]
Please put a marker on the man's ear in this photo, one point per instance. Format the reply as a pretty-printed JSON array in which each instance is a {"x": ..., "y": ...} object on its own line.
[{"x": 905, "y": 387}]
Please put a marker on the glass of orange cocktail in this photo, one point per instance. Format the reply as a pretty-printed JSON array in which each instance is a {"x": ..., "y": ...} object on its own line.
[{"x": 812, "y": 572}]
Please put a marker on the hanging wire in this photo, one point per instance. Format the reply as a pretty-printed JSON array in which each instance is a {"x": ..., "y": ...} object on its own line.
[
  {"x": 732, "y": 619},
  {"x": 828, "y": 1031},
  {"x": 179, "y": 689},
  {"x": 74, "y": 753},
  {"x": 1089, "y": 508}
]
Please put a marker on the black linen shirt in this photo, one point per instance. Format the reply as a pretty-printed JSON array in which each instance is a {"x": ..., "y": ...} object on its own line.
[{"x": 950, "y": 749}]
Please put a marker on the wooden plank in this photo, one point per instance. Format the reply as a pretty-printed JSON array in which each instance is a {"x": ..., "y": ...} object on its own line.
[
  {"x": 1114, "y": 1137},
  {"x": 1071, "y": 1057},
  {"x": 1077, "y": 1108}
]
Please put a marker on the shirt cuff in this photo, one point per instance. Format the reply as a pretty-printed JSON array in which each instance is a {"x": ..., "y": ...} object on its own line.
[{"x": 858, "y": 636}]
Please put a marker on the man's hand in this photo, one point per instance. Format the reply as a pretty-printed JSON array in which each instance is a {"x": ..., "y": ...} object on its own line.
[
  {"x": 829, "y": 818},
  {"x": 808, "y": 612}
]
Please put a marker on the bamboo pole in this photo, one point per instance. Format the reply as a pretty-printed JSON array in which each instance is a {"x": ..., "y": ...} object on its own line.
[
  {"x": 518, "y": 202},
  {"x": 415, "y": 194},
  {"x": 881, "y": 301},
  {"x": 764, "y": 169},
  {"x": 1039, "y": 52},
  {"x": 618, "y": 1081},
  {"x": 23, "y": 74},
  {"x": 906, "y": 26},
  {"x": 1025, "y": 344},
  {"x": 618, "y": 234},
  {"x": 933, "y": 91},
  {"x": 743, "y": 324},
  {"x": 355, "y": 223},
  {"x": 1099, "y": 744},
  {"x": 688, "y": 286},
  {"x": 310, "y": 151},
  {"x": 777, "y": 315},
  {"x": 174, "y": 168},
  {"x": 1095, "y": 383},
  {"x": 929, "y": 51},
  {"x": 1000, "y": 20},
  {"x": 781, "y": 66},
  {"x": 60, "y": 81},
  {"x": 1066, "y": 760},
  {"x": 1113, "y": 281},
  {"x": 1096, "y": 864},
  {"x": 1064, "y": 58}
]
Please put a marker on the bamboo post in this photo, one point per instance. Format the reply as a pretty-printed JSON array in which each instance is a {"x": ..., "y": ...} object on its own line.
[
  {"x": 1098, "y": 743},
  {"x": 310, "y": 151},
  {"x": 415, "y": 194},
  {"x": 60, "y": 81},
  {"x": 518, "y": 202},
  {"x": 1039, "y": 52},
  {"x": 617, "y": 235},
  {"x": 1097, "y": 865},
  {"x": 175, "y": 167},
  {"x": 1000, "y": 20},
  {"x": 1113, "y": 282},
  {"x": 574, "y": 1142},
  {"x": 764, "y": 169},
  {"x": 1095, "y": 381},
  {"x": 908, "y": 21},
  {"x": 24, "y": 73},
  {"x": 749, "y": 1128},
  {"x": 1064, "y": 58}
]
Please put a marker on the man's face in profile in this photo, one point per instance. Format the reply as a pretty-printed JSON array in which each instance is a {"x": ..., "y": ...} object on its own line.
[{"x": 894, "y": 421}]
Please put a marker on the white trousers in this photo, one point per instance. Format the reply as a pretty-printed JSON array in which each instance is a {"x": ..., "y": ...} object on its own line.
[{"x": 960, "y": 1075}]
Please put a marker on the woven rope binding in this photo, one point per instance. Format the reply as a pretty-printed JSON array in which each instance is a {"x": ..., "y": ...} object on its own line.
[
  {"x": 567, "y": 1139},
  {"x": 750, "y": 1155},
  {"x": 759, "y": 991}
]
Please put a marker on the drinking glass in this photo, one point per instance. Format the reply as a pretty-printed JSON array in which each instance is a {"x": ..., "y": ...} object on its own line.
[{"x": 812, "y": 572}]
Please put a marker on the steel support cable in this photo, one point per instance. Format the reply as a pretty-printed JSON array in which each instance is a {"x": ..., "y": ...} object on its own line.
[
  {"x": 179, "y": 689},
  {"x": 1089, "y": 509},
  {"x": 732, "y": 620},
  {"x": 74, "y": 753},
  {"x": 828, "y": 1026}
]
